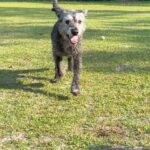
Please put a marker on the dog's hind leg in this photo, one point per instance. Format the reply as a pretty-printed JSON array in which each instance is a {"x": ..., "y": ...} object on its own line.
[{"x": 58, "y": 71}]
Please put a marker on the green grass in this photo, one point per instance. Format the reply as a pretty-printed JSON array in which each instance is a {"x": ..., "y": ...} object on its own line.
[{"x": 112, "y": 110}]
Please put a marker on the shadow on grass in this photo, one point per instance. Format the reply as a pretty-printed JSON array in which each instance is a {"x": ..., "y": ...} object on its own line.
[
  {"x": 47, "y": 14},
  {"x": 135, "y": 50},
  {"x": 104, "y": 147},
  {"x": 26, "y": 32},
  {"x": 36, "y": 13},
  {"x": 45, "y": 19},
  {"x": 107, "y": 147},
  {"x": 123, "y": 35},
  {"x": 116, "y": 62},
  {"x": 106, "y": 14},
  {"x": 9, "y": 79},
  {"x": 38, "y": 28}
]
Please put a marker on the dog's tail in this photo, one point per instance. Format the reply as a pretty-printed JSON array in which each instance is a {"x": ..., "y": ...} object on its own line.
[{"x": 56, "y": 8}]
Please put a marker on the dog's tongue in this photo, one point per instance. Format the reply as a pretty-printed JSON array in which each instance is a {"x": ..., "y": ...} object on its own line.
[{"x": 74, "y": 39}]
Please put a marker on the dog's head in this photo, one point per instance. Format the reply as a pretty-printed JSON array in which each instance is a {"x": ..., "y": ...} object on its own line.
[{"x": 71, "y": 23}]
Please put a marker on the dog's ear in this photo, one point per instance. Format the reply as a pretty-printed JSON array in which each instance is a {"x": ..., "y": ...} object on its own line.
[
  {"x": 58, "y": 11},
  {"x": 85, "y": 12}
]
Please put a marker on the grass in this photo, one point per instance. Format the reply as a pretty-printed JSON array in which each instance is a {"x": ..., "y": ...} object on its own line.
[{"x": 112, "y": 111}]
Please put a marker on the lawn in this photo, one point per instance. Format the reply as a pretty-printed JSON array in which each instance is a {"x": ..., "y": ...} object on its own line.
[{"x": 113, "y": 109}]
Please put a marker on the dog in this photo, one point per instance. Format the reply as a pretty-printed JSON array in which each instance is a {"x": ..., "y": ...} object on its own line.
[{"x": 66, "y": 36}]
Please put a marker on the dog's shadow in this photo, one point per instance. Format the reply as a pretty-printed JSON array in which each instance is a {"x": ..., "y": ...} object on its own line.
[{"x": 10, "y": 79}]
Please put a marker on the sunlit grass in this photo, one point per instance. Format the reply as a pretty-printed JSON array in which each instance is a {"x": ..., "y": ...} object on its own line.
[{"x": 112, "y": 110}]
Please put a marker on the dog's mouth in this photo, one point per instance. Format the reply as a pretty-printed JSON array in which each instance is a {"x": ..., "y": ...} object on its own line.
[{"x": 73, "y": 39}]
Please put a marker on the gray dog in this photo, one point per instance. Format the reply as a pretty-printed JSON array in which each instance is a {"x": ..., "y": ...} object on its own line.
[{"x": 66, "y": 38}]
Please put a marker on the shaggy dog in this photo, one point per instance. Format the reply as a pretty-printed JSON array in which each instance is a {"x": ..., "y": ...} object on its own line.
[{"x": 66, "y": 38}]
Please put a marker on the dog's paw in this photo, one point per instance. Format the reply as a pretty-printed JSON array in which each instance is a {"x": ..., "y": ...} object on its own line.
[{"x": 75, "y": 91}]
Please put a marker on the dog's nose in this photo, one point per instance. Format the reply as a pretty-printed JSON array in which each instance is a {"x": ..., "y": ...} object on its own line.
[{"x": 74, "y": 31}]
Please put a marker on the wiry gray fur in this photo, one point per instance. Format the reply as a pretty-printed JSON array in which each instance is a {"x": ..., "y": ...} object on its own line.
[{"x": 66, "y": 38}]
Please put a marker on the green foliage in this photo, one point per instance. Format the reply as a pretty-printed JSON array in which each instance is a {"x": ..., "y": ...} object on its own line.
[{"x": 112, "y": 111}]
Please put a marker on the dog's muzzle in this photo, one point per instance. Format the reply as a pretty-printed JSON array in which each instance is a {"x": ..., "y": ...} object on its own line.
[
  {"x": 74, "y": 31},
  {"x": 74, "y": 38}
]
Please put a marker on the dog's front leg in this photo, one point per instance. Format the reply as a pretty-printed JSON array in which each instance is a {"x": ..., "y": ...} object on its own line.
[
  {"x": 76, "y": 71},
  {"x": 58, "y": 71}
]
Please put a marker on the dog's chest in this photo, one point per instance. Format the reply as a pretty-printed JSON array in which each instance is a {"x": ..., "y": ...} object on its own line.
[{"x": 69, "y": 49}]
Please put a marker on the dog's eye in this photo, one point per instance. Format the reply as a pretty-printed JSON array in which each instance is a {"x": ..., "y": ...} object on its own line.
[
  {"x": 67, "y": 21},
  {"x": 79, "y": 21}
]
